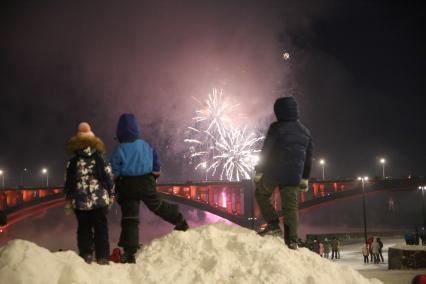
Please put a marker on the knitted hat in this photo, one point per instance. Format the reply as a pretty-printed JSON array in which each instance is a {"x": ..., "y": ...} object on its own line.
[
  {"x": 285, "y": 109},
  {"x": 84, "y": 130}
]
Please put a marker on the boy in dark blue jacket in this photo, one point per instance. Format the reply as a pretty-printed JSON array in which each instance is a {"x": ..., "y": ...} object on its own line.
[
  {"x": 136, "y": 166},
  {"x": 285, "y": 162}
]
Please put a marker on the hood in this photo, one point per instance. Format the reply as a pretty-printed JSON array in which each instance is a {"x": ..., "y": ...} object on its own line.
[
  {"x": 285, "y": 109},
  {"x": 128, "y": 128},
  {"x": 79, "y": 144}
]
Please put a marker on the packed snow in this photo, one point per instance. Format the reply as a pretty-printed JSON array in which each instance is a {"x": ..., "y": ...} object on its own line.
[
  {"x": 216, "y": 253},
  {"x": 410, "y": 247}
]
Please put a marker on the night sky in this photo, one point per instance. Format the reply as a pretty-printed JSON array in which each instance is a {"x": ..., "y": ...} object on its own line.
[{"x": 356, "y": 69}]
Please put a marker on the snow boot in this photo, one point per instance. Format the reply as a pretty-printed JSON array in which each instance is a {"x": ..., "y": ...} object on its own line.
[
  {"x": 271, "y": 229},
  {"x": 128, "y": 258},
  {"x": 181, "y": 225},
  {"x": 88, "y": 258},
  {"x": 103, "y": 261},
  {"x": 292, "y": 245}
]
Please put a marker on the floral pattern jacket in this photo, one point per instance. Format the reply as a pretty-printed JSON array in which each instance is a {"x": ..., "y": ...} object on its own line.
[{"x": 88, "y": 182}]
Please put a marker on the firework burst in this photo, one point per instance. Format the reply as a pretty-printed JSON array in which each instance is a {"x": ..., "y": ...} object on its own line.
[
  {"x": 236, "y": 156},
  {"x": 217, "y": 147}
]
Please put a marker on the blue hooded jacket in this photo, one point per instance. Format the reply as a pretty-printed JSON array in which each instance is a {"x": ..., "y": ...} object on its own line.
[
  {"x": 287, "y": 150},
  {"x": 133, "y": 156}
]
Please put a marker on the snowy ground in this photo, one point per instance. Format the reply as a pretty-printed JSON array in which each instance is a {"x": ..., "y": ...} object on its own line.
[
  {"x": 216, "y": 253},
  {"x": 351, "y": 255}
]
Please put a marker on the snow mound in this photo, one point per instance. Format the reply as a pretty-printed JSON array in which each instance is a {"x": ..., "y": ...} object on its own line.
[{"x": 215, "y": 253}]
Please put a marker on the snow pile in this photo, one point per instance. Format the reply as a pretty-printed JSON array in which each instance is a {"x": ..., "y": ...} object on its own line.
[
  {"x": 215, "y": 253},
  {"x": 409, "y": 247}
]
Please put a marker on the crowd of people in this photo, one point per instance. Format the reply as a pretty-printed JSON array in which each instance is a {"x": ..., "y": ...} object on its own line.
[
  {"x": 372, "y": 251},
  {"x": 325, "y": 248},
  {"x": 417, "y": 237}
]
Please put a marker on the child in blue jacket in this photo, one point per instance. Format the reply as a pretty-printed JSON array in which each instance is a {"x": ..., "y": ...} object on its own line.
[{"x": 135, "y": 166}]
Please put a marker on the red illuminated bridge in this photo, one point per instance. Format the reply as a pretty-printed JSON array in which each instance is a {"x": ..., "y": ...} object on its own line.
[{"x": 233, "y": 201}]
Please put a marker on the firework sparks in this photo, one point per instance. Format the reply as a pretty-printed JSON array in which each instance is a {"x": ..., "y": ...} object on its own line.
[
  {"x": 216, "y": 146},
  {"x": 215, "y": 111},
  {"x": 236, "y": 156}
]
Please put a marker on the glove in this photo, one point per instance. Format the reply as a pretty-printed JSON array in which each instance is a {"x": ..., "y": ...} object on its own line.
[
  {"x": 68, "y": 208},
  {"x": 258, "y": 177},
  {"x": 303, "y": 186},
  {"x": 156, "y": 175}
]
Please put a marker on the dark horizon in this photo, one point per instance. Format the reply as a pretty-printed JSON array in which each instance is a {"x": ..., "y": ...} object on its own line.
[{"x": 356, "y": 70}]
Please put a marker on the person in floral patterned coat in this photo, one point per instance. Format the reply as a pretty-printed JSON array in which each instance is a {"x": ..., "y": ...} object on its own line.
[{"x": 89, "y": 193}]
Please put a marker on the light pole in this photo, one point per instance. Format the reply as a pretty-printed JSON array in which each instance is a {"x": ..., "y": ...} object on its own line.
[
  {"x": 383, "y": 162},
  {"x": 322, "y": 163},
  {"x": 363, "y": 180},
  {"x": 24, "y": 171},
  {"x": 2, "y": 179},
  {"x": 46, "y": 172},
  {"x": 423, "y": 189}
]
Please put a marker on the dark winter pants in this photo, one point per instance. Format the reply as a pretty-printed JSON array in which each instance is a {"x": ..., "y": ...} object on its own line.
[
  {"x": 132, "y": 190},
  {"x": 381, "y": 255},
  {"x": 92, "y": 232},
  {"x": 289, "y": 204},
  {"x": 333, "y": 254},
  {"x": 365, "y": 258}
]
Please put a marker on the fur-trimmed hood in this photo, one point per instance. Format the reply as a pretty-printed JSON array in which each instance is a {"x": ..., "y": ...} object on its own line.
[{"x": 77, "y": 143}]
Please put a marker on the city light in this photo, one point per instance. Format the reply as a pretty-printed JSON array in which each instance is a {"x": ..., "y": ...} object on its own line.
[
  {"x": 322, "y": 163},
  {"x": 383, "y": 162},
  {"x": 45, "y": 172},
  {"x": 423, "y": 189},
  {"x": 364, "y": 209},
  {"x": 2, "y": 179}
]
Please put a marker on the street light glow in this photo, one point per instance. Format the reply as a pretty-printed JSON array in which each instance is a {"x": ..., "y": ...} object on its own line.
[
  {"x": 322, "y": 162},
  {"x": 44, "y": 171},
  {"x": 1, "y": 172},
  {"x": 382, "y": 161}
]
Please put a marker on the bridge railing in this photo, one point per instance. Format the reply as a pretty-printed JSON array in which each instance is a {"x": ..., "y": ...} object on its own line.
[
  {"x": 231, "y": 200},
  {"x": 17, "y": 198}
]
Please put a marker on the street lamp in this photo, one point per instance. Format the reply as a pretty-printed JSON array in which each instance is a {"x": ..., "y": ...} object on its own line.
[
  {"x": 363, "y": 180},
  {"x": 423, "y": 189},
  {"x": 383, "y": 162},
  {"x": 2, "y": 179},
  {"x": 24, "y": 171},
  {"x": 45, "y": 172},
  {"x": 322, "y": 163}
]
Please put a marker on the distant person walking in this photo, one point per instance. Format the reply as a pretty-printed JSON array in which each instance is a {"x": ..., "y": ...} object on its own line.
[
  {"x": 334, "y": 247},
  {"x": 285, "y": 162},
  {"x": 321, "y": 248},
  {"x": 370, "y": 247},
  {"x": 89, "y": 193},
  {"x": 365, "y": 252},
  {"x": 338, "y": 248},
  {"x": 326, "y": 248},
  {"x": 379, "y": 241},
  {"x": 136, "y": 166},
  {"x": 375, "y": 247}
]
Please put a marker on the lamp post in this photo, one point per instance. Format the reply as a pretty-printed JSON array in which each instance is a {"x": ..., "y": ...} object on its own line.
[
  {"x": 363, "y": 180},
  {"x": 423, "y": 189},
  {"x": 322, "y": 163},
  {"x": 383, "y": 162},
  {"x": 24, "y": 171},
  {"x": 2, "y": 179},
  {"x": 46, "y": 172}
]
